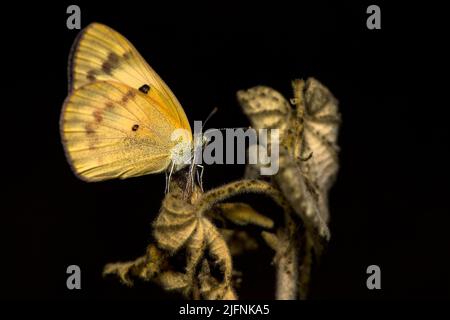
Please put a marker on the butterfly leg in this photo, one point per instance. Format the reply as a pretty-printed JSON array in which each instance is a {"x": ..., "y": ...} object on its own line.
[
  {"x": 168, "y": 176},
  {"x": 200, "y": 176},
  {"x": 192, "y": 176},
  {"x": 166, "y": 190}
]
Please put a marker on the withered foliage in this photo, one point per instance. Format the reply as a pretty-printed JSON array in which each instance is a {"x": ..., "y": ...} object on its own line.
[{"x": 206, "y": 230}]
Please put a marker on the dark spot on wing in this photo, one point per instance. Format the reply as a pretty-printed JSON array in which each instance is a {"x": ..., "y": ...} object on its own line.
[
  {"x": 109, "y": 105},
  {"x": 135, "y": 127},
  {"x": 145, "y": 88},
  {"x": 111, "y": 63},
  {"x": 97, "y": 116},
  {"x": 126, "y": 55},
  {"x": 91, "y": 75},
  {"x": 89, "y": 129},
  {"x": 129, "y": 95},
  {"x": 106, "y": 67}
]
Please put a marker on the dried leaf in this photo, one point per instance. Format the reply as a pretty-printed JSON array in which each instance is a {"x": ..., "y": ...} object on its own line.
[{"x": 243, "y": 214}]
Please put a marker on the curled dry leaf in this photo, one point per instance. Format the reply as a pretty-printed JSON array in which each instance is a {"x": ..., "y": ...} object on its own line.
[
  {"x": 308, "y": 165},
  {"x": 308, "y": 160}
]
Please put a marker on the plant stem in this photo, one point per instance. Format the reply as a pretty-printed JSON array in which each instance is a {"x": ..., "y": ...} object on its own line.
[{"x": 287, "y": 269}]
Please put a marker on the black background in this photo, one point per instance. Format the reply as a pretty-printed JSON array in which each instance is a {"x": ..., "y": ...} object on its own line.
[{"x": 388, "y": 207}]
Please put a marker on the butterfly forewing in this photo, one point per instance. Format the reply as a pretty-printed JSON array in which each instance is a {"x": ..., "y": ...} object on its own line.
[{"x": 101, "y": 53}]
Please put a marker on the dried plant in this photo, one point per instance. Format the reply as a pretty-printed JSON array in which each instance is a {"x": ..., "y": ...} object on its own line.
[
  {"x": 185, "y": 225},
  {"x": 308, "y": 165}
]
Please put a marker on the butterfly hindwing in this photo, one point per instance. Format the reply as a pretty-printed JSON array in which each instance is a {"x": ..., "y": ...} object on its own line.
[{"x": 109, "y": 132}]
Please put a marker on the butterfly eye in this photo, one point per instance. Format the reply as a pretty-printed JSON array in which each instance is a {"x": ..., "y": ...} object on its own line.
[{"x": 145, "y": 88}]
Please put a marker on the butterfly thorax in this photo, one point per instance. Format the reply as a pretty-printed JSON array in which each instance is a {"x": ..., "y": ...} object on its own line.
[{"x": 181, "y": 154}]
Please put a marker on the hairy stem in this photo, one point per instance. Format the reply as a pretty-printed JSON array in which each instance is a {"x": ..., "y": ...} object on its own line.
[
  {"x": 287, "y": 275},
  {"x": 243, "y": 186},
  {"x": 286, "y": 261}
]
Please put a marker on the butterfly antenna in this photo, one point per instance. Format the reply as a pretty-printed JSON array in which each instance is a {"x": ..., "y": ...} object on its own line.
[
  {"x": 223, "y": 129},
  {"x": 209, "y": 116}
]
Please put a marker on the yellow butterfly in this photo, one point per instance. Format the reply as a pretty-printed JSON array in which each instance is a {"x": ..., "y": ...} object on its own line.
[{"x": 120, "y": 119}]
